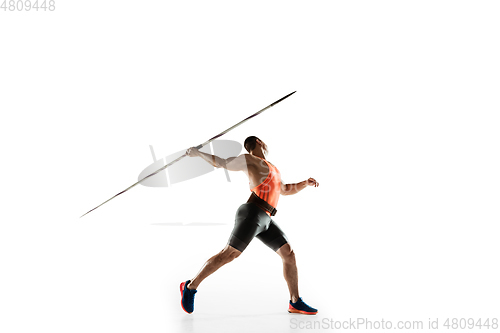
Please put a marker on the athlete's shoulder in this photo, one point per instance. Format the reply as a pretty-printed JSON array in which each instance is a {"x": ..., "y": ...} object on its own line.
[
  {"x": 250, "y": 159},
  {"x": 244, "y": 157},
  {"x": 238, "y": 163}
]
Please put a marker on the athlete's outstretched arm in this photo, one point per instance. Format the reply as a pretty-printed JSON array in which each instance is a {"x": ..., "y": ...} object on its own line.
[
  {"x": 289, "y": 189},
  {"x": 232, "y": 164}
]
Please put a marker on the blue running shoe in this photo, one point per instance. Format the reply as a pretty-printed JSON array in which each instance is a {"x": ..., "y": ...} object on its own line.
[
  {"x": 187, "y": 297},
  {"x": 301, "y": 307}
]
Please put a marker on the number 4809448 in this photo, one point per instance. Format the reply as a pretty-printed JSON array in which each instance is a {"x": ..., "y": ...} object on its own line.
[{"x": 27, "y": 5}]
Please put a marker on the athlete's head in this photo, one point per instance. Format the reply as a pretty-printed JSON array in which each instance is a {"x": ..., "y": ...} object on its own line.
[{"x": 253, "y": 142}]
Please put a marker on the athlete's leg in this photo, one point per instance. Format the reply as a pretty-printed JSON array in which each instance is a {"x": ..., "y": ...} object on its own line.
[
  {"x": 248, "y": 223},
  {"x": 214, "y": 263},
  {"x": 276, "y": 239},
  {"x": 290, "y": 270}
]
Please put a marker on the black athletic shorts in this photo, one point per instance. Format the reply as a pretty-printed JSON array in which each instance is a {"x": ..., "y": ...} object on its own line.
[{"x": 251, "y": 221}]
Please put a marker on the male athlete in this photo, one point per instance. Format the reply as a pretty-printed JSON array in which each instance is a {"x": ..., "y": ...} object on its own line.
[{"x": 253, "y": 219}]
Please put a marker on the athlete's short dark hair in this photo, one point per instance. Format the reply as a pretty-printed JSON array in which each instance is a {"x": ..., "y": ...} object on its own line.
[{"x": 250, "y": 143}]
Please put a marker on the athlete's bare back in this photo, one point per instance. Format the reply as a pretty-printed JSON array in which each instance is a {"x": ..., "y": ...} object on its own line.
[{"x": 256, "y": 169}]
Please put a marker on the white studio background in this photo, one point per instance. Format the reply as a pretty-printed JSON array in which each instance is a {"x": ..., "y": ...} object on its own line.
[{"x": 396, "y": 116}]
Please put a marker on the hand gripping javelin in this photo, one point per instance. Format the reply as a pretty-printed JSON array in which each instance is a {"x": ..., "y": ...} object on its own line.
[{"x": 198, "y": 147}]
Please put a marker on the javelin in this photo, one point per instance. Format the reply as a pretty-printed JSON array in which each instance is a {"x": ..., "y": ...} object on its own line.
[{"x": 197, "y": 147}]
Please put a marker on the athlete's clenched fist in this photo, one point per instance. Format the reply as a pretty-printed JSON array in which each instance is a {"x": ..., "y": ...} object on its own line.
[
  {"x": 192, "y": 152},
  {"x": 312, "y": 182}
]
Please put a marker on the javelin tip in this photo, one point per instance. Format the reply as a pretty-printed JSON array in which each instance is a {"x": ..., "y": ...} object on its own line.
[{"x": 279, "y": 100}]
